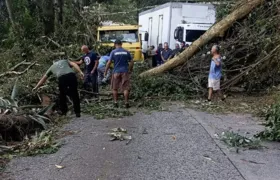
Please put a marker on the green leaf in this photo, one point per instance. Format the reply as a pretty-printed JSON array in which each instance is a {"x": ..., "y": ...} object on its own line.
[
  {"x": 40, "y": 121},
  {"x": 15, "y": 90},
  {"x": 46, "y": 109},
  {"x": 43, "y": 117},
  {"x": 11, "y": 101}
]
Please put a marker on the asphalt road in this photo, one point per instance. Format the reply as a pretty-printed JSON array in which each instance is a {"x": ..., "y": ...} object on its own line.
[{"x": 175, "y": 145}]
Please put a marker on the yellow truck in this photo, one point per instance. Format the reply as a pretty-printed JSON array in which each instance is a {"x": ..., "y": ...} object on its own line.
[{"x": 128, "y": 34}]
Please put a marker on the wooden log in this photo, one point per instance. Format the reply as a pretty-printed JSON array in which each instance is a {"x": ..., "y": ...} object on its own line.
[{"x": 215, "y": 31}]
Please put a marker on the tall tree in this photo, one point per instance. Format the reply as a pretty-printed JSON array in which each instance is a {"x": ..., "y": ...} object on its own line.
[
  {"x": 60, "y": 13},
  {"x": 48, "y": 16},
  {"x": 9, "y": 9}
]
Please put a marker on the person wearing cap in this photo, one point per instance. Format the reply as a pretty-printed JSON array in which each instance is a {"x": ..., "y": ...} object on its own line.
[
  {"x": 123, "y": 66},
  {"x": 67, "y": 83},
  {"x": 215, "y": 73},
  {"x": 90, "y": 59}
]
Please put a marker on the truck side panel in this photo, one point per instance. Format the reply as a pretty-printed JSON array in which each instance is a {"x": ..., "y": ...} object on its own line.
[
  {"x": 196, "y": 13},
  {"x": 176, "y": 19},
  {"x": 158, "y": 29}
]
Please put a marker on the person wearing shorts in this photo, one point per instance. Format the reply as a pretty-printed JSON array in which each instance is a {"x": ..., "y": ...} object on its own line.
[
  {"x": 215, "y": 73},
  {"x": 123, "y": 66}
]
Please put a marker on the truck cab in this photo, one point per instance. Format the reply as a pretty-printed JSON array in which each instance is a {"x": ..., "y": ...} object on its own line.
[
  {"x": 190, "y": 32},
  {"x": 128, "y": 34}
]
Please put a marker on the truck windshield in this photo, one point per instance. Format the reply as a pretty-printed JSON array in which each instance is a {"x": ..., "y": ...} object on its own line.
[
  {"x": 125, "y": 36},
  {"x": 192, "y": 35}
]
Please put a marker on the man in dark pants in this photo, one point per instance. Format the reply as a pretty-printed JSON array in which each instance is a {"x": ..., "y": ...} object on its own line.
[
  {"x": 152, "y": 53},
  {"x": 123, "y": 66},
  {"x": 91, "y": 63},
  {"x": 67, "y": 83},
  {"x": 159, "y": 50}
]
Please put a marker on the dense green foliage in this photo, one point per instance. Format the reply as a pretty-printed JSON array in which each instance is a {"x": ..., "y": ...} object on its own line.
[
  {"x": 272, "y": 131},
  {"x": 236, "y": 140},
  {"x": 166, "y": 85},
  {"x": 67, "y": 21}
]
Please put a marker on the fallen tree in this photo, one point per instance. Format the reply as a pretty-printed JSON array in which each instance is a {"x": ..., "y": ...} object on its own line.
[{"x": 217, "y": 30}]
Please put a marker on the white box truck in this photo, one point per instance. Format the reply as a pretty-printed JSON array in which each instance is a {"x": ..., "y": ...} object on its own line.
[{"x": 176, "y": 22}]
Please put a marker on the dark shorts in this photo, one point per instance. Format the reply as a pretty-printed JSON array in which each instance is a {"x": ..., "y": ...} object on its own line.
[{"x": 120, "y": 81}]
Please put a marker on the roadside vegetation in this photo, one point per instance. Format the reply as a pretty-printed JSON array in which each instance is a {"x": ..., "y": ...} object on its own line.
[{"x": 30, "y": 41}]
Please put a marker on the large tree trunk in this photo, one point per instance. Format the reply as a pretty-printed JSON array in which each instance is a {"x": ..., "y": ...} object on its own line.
[
  {"x": 214, "y": 31},
  {"x": 9, "y": 9},
  {"x": 49, "y": 16},
  {"x": 60, "y": 13}
]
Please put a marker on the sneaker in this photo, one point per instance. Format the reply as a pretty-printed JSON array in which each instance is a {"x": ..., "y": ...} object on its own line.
[
  {"x": 116, "y": 105},
  {"x": 209, "y": 100},
  {"x": 78, "y": 115}
]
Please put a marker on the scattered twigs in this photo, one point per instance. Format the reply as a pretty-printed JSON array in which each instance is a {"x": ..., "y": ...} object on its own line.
[
  {"x": 99, "y": 94},
  {"x": 52, "y": 41},
  {"x": 239, "y": 76},
  {"x": 31, "y": 106},
  {"x": 21, "y": 63},
  {"x": 15, "y": 72}
]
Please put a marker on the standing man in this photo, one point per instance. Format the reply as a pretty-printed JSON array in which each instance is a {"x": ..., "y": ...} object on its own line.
[
  {"x": 215, "y": 72},
  {"x": 166, "y": 52},
  {"x": 183, "y": 46},
  {"x": 144, "y": 51},
  {"x": 123, "y": 66},
  {"x": 152, "y": 54},
  {"x": 159, "y": 50},
  {"x": 176, "y": 51},
  {"x": 90, "y": 59},
  {"x": 67, "y": 83}
]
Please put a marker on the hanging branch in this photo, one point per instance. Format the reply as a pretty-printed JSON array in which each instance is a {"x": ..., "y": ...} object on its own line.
[
  {"x": 50, "y": 40},
  {"x": 17, "y": 73}
]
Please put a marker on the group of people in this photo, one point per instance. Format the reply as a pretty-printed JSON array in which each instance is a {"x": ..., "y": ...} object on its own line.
[
  {"x": 163, "y": 53},
  {"x": 97, "y": 68},
  {"x": 94, "y": 65}
]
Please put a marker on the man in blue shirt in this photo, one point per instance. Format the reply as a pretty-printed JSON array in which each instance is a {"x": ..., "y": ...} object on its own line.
[
  {"x": 215, "y": 72},
  {"x": 123, "y": 66},
  {"x": 90, "y": 59},
  {"x": 101, "y": 69},
  {"x": 166, "y": 53}
]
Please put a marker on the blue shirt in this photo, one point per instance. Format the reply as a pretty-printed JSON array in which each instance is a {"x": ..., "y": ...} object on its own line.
[
  {"x": 166, "y": 53},
  {"x": 89, "y": 60},
  {"x": 103, "y": 61},
  {"x": 215, "y": 71},
  {"x": 159, "y": 50},
  {"x": 121, "y": 57}
]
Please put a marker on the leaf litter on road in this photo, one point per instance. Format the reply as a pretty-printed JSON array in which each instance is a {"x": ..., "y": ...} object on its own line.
[
  {"x": 59, "y": 166},
  {"x": 119, "y": 134}
]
